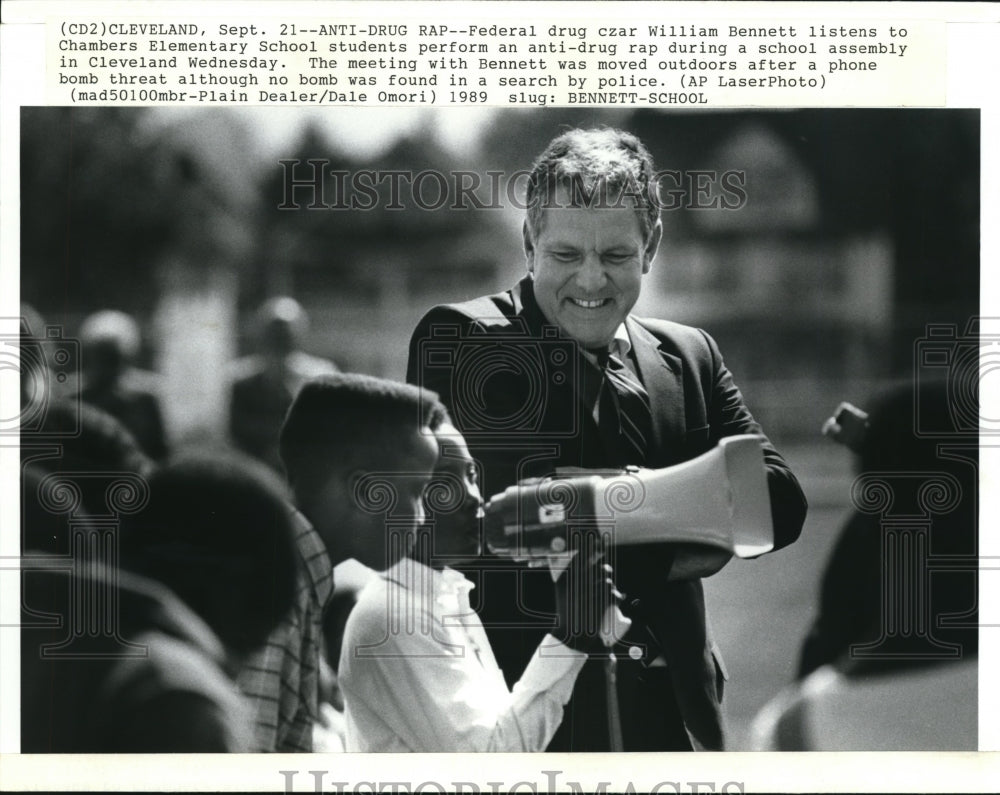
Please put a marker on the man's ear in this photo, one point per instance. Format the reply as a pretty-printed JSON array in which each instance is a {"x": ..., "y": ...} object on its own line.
[
  {"x": 651, "y": 245},
  {"x": 529, "y": 247}
]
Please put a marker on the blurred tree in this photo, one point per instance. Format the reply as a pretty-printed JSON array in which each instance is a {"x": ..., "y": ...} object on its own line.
[
  {"x": 366, "y": 273},
  {"x": 516, "y": 136},
  {"x": 91, "y": 222},
  {"x": 911, "y": 174},
  {"x": 290, "y": 238},
  {"x": 151, "y": 211}
]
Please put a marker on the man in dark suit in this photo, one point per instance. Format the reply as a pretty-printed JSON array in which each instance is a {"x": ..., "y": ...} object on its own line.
[
  {"x": 264, "y": 384},
  {"x": 556, "y": 372},
  {"x": 112, "y": 382}
]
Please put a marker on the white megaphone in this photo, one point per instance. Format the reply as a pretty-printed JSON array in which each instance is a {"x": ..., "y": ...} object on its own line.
[{"x": 719, "y": 499}]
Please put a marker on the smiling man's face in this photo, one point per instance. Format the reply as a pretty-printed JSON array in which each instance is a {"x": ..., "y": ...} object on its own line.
[{"x": 587, "y": 266}]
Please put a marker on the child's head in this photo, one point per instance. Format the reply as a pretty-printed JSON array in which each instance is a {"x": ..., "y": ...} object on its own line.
[
  {"x": 452, "y": 498},
  {"x": 217, "y": 531},
  {"x": 359, "y": 452}
]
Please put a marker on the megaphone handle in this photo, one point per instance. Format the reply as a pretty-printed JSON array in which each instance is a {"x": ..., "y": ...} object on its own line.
[{"x": 614, "y": 626}]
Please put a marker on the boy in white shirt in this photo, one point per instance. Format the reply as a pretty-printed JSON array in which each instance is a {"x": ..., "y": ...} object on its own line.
[
  {"x": 416, "y": 667},
  {"x": 358, "y": 452}
]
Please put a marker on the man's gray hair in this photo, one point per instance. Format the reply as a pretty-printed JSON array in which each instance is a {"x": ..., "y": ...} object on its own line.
[{"x": 602, "y": 167}]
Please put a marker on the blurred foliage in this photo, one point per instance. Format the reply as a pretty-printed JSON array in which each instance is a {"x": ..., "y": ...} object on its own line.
[
  {"x": 95, "y": 207},
  {"x": 348, "y": 247},
  {"x": 107, "y": 198}
]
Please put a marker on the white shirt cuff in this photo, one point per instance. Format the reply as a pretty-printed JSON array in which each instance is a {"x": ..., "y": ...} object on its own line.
[{"x": 554, "y": 668}]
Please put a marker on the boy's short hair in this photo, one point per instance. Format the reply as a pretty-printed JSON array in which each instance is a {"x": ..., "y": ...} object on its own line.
[
  {"x": 343, "y": 422},
  {"x": 439, "y": 416},
  {"x": 218, "y": 532}
]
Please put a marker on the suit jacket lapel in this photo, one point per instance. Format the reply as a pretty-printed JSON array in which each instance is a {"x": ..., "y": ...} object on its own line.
[
  {"x": 522, "y": 297},
  {"x": 661, "y": 374}
]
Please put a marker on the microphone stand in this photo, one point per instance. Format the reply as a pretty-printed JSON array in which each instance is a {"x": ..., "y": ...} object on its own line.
[
  {"x": 614, "y": 713},
  {"x": 617, "y": 625}
]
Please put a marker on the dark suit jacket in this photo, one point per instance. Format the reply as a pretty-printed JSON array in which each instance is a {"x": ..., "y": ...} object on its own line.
[{"x": 519, "y": 393}]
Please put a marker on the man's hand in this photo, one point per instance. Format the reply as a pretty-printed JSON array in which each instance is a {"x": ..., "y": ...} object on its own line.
[
  {"x": 587, "y": 615},
  {"x": 848, "y": 425},
  {"x": 695, "y": 561}
]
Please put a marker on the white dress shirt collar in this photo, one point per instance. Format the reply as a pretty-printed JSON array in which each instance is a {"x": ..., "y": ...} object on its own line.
[
  {"x": 413, "y": 575},
  {"x": 620, "y": 345}
]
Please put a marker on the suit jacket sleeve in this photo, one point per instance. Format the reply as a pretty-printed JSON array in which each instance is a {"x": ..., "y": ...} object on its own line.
[{"x": 729, "y": 416}]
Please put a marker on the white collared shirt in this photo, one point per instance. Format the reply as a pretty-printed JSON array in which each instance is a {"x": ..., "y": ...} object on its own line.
[
  {"x": 622, "y": 342},
  {"x": 418, "y": 673},
  {"x": 621, "y": 345}
]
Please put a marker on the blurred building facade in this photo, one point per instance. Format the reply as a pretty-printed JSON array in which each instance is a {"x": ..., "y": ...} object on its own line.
[
  {"x": 801, "y": 311},
  {"x": 859, "y": 230}
]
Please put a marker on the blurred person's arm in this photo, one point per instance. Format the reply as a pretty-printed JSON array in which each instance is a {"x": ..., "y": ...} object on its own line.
[
  {"x": 178, "y": 723},
  {"x": 175, "y": 700},
  {"x": 849, "y": 601}
]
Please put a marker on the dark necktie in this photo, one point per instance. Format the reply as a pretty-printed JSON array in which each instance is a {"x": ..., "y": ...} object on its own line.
[{"x": 625, "y": 414}]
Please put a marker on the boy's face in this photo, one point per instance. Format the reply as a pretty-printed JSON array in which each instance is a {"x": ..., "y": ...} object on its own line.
[
  {"x": 453, "y": 497},
  {"x": 372, "y": 513}
]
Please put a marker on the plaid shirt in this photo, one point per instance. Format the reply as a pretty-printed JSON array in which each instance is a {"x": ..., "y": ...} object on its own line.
[{"x": 282, "y": 679}]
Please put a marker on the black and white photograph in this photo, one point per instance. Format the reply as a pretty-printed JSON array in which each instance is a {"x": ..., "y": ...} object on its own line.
[
  {"x": 499, "y": 430},
  {"x": 481, "y": 397}
]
